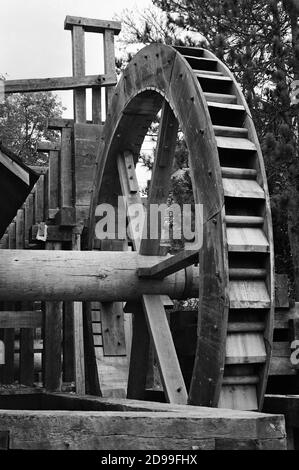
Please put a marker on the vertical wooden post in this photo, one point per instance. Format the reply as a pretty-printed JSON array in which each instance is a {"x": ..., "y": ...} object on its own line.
[
  {"x": 78, "y": 48},
  {"x": 66, "y": 167},
  {"x": 52, "y": 363},
  {"x": 26, "y": 334},
  {"x": 109, "y": 62},
  {"x": 8, "y": 335},
  {"x": 79, "y": 365},
  {"x": 53, "y": 188},
  {"x": 139, "y": 354},
  {"x": 97, "y": 105}
]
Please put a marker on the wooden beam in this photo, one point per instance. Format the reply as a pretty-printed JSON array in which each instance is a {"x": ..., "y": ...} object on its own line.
[
  {"x": 89, "y": 275},
  {"x": 59, "y": 83},
  {"x": 170, "y": 265},
  {"x": 91, "y": 25},
  {"x": 78, "y": 49},
  {"x": 21, "y": 319},
  {"x": 47, "y": 146},
  {"x": 59, "y": 123},
  {"x": 79, "y": 366},
  {"x": 170, "y": 371},
  {"x": 143, "y": 430},
  {"x": 53, "y": 317},
  {"x": 139, "y": 353}
]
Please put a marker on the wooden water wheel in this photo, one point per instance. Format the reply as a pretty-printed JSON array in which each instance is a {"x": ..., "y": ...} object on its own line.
[{"x": 199, "y": 95}]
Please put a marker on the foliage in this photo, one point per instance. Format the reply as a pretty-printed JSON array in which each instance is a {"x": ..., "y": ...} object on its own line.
[{"x": 23, "y": 122}]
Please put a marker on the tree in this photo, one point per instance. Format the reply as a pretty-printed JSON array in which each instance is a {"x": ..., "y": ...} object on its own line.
[{"x": 23, "y": 122}]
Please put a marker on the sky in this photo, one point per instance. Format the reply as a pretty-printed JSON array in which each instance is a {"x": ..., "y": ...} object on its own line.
[{"x": 34, "y": 43}]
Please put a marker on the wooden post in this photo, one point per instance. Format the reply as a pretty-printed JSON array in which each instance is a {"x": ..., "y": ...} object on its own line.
[
  {"x": 109, "y": 62},
  {"x": 78, "y": 48},
  {"x": 52, "y": 364},
  {"x": 79, "y": 365}
]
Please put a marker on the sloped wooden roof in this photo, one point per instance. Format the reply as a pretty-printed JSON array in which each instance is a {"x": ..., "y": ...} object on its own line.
[{"x": 16, "y": 182}]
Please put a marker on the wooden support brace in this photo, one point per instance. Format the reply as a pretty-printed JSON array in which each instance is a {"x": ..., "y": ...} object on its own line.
[
  {"x": 170, "y": 265},
  {"x": 170, "y": 371}
]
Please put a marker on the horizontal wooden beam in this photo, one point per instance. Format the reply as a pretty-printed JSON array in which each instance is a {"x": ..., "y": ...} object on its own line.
[
  {"x": 58, "y": 83},
  {"x": 21, "y": 319},
  {"x": 91, "y": 25},
  {"x": 170, "y": 265},
  {"x": 103, "y": 276},
  {"x": 48, "y": 146},
  {"x": 59, "y": 123}
]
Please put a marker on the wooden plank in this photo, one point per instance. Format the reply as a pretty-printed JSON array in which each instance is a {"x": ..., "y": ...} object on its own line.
[
  {"x": 91, "y": 25},
  {"x": 242, "y": 397},
  {"x": 78, "y": 83},
  {"x": 29, "y": 218},
  {"x": 244, "y": 348},
  {"x": 26, "y": 356},
  {"x": 68, "y": 342},
  {"x": 39, "y": 200},
  {"x": 248, "y": 294},
  {"x": 281, "y": 291},
  {"x": 249, "y": 239},
  {"x": 109, "y": 61},
  {"x": 21, "y": 319},
  {"x": 86, "y": 142},
  {"x": 170, "y": 265},
  {"x": 110, "y": 430},
  {"x": 53, "y": 184},
  {"x": 96, "y": 103},
  {"x": 78, "y": 55},
  {"x": 52, "y": 365},
  {"x": 12, "y": 166},
  {"x": 112, "y": 317},
  {"x": 242, "y": 188},
  {"x": 66, "y": 190},
  {"x": 47, "y": 146},
  {"x": 79, "y": 367},
  {"x": 139, "y": 354},
  {"x": 20, "y": 225},
  {"x": 235, "y": 143},
  {"x": 171, "y": 375}
]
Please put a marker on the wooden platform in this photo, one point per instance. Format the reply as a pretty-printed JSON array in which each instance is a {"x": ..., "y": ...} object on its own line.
[
  {"x": 45, "y": 422},
  {"x": 289, "y": 406}
]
